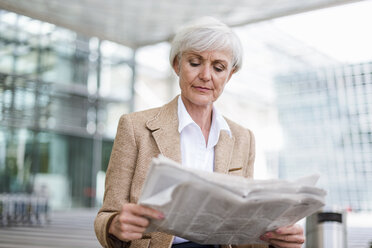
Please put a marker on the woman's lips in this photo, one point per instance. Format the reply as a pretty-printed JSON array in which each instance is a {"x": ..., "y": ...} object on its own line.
[{"x": 201, "y": 89}]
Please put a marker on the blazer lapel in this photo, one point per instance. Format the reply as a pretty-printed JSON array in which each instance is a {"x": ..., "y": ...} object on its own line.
[
  {"x": 164, "y": 128},
  {"x": 223, "y": 152}
]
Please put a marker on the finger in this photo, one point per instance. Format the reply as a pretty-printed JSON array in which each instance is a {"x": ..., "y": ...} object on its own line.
[
  {"x": 124, "y": 231},
  {"x": 300, "y": 239},
  {"x": 132, "y": 228},
  {"x": 283, "y": 244},
  {"x": 293, "y": 229},
  {"x": 128, "y": 218},
  {"x": 144, "y": 211}
]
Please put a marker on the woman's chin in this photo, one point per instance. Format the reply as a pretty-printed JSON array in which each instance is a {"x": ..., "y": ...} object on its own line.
[
  {"x": 202, "y": 102},
  {"x": 198, "y": 99}
]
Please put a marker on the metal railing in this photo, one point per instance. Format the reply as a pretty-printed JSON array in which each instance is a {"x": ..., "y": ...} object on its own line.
[{"x": 23, "y": 209}]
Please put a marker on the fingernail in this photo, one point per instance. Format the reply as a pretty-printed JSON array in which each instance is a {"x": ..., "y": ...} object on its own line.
[
  {"x": 161, "y": 216},
  {"x": 268, "y": 235},
  {"x": 278, "y": 231}
]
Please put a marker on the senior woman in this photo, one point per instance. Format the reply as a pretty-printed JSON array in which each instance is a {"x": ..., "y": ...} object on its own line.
[{"x": 188, "y": 130}]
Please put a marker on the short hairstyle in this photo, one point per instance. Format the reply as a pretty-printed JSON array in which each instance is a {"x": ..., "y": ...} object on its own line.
[{"x": 207, "y": 34}]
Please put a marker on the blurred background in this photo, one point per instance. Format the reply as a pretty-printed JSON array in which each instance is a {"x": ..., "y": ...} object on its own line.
[{"x": 70, "y": 69}]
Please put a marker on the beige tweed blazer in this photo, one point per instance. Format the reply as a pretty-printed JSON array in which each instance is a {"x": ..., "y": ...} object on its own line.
[{"x": 144, "y": 135}]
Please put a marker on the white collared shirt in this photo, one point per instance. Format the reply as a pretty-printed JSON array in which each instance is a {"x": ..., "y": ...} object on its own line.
[{"x": 194, "y": 152}]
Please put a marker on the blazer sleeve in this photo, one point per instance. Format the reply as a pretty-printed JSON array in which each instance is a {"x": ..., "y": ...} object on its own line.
[{"x": 118, "y": 181}]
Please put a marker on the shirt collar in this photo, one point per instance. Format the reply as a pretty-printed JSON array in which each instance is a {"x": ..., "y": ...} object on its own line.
[{"x": 218, "y": 122}]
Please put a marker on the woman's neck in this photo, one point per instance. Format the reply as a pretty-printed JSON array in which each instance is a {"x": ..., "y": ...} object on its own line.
[{"x": 202, "y": 115}]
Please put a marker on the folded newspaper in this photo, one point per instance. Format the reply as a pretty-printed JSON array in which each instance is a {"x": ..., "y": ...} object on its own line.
[{"x": 213, "y": 208}]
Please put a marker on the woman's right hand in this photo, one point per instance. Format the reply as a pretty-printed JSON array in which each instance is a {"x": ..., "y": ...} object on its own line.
[{"x": 132, "y": 221}]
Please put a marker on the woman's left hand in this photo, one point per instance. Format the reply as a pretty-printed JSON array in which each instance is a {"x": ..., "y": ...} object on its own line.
[{"x": 285, "y": 237}]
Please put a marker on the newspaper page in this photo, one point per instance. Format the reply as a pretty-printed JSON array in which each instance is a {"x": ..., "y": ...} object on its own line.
[{"x": 213, "y": 208}]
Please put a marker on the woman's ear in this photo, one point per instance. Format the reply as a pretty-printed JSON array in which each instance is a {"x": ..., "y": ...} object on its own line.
[{"x": 176, "y": 65}]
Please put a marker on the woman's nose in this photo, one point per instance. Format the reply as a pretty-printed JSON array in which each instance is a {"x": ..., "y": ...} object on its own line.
[{"x": 205, "y": 73}]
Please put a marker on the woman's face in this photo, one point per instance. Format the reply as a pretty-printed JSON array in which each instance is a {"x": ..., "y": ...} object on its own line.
[{"x": 203, "y": 76}]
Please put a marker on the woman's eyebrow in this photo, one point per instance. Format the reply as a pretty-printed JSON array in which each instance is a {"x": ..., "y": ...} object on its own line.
[
  {"x": 221, "y": 61},
  {"x": 191, "y": 54}
]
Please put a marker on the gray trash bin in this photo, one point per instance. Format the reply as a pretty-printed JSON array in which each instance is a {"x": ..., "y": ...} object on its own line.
[{"x": 326, "y": 230}]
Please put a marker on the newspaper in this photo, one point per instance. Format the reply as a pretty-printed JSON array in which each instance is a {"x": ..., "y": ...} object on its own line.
[{"x": 213, "y": 208}]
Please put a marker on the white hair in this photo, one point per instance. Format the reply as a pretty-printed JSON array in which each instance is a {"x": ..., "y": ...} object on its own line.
[{"x": 207, "y": 34}]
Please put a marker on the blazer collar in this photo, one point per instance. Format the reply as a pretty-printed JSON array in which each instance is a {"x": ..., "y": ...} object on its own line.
[{"x": 164, "y": 128}]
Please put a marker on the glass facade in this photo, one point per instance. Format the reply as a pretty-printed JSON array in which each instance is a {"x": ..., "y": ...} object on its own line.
[
  {"x": 61, "y": 95},
  {"x": 326, "y": 117}
]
